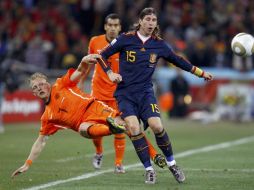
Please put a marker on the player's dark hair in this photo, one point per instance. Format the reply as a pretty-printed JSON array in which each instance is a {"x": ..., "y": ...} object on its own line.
[
  {"x": 143, "y": 13},
  {"x": 112, "y": 16}
]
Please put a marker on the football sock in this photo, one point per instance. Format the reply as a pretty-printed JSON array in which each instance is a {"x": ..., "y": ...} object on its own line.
[
  {"x": 165, "y": 145},
  {"x": 141, "y": 147},
  {"x": 151, "y": 149},
  {"x": 98, "y": 145},
  {"x": 98, "y": 130},
  {"x": 119, "y": 144}
]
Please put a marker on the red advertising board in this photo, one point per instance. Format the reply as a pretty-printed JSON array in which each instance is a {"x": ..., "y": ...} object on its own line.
[{"x": 21, "y": 106}]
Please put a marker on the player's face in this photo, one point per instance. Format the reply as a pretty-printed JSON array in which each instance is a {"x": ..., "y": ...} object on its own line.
[
  {"x": 148, "y": 24},
  {"x": 40, "y": 88},
  {"x": 112, "y": 28}
]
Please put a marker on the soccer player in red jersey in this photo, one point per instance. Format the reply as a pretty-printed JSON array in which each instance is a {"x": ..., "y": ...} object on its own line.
[
  {"x": 68, "y": 107},
  {"x": 103, "y": 89}
]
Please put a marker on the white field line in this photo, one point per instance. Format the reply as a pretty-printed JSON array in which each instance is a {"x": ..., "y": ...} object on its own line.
[
  {"x": 209, "y": 170},
  {"x": 179, "y": 155}
]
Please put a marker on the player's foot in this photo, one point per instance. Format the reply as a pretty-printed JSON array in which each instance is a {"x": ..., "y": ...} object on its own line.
[
  {"x": 97, "y": 161},
  {"x": 177, "y": 173},
  {"x": 150, "y": 177},
  {"x": 160, "y": 160},
  {"x": 114, "y": 127},
  {"x": 119, "y": 169}
]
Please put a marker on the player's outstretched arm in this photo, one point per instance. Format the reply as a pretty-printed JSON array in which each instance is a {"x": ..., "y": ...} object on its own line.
[
  {"x": 202, "y": 74},
  {"x": 34, "y": 153},
  {"x": 82, "y": 68}
]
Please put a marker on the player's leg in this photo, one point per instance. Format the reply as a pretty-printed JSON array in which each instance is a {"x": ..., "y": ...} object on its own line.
[
  {"x": 140, "y": 144},
  {"x": 150, "y": 115},
  {"x": 119, "y": 145},
  {"x": 119, "y": 141},
  {"x": 97, "y": 159},
  {"x": 93, "y": 130},
  {"x": 164, "y": 144},
  {"x": 98, "y": 121},
  {"x": 157, "y": 158}
]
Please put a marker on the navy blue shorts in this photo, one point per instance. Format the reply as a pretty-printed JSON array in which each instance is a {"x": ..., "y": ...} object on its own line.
[{"x": 143, "y": 105}]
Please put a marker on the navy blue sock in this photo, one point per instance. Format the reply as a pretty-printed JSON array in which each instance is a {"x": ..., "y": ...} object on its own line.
[
  {"x": 164, "y": 144},
  {"x": 141, "y": 147}
]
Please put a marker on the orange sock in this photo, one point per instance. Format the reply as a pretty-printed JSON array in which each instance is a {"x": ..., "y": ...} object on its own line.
[
  {"x": 119, "y": 144},
  {"x": 98, "y": 145},
  {"x": 98, "y": 130},
  {"x": 152, "y": 150}
]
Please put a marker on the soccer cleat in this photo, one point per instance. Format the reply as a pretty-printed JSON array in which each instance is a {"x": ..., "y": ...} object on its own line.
[
  {"x": 115, "y": 128},
  {"x": 150, "y": 177},
  {"x": 160, "y": 160},
  {"x": 119, "y": 169},
  {"x": 97, "y": 161},
  {"x": 177, "y": 173}
]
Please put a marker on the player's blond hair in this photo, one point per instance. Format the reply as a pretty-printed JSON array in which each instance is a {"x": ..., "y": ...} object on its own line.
[{"x": 35, "y": 76}]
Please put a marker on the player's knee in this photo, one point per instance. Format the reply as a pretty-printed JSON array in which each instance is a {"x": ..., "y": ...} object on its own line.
[
  {"x": 84, "y": 134},
  {"x": 134, "y": 129},
  {"x": 157, "y": 128},
  {"x": 83, "y": 130}
]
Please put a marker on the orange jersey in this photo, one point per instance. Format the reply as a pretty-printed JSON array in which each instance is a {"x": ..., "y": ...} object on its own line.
[
  {"x": 66, "y": 107},
  {"x": 102, "y": 87}
]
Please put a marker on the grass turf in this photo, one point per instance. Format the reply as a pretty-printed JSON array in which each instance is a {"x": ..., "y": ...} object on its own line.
[{"x": 68, "y": 155}]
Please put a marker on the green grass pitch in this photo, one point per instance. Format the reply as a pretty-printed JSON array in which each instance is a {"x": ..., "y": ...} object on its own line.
[{"x": 217, "y": 156}]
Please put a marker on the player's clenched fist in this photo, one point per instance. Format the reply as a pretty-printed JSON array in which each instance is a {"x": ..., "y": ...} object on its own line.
[
  {"x": 90, "y": 59},
  {"x": 114, "y": 77}
]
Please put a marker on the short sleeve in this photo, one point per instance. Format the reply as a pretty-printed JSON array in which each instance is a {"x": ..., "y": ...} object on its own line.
[
  {"x": 48, "y": 129},
  {"x": 65, "y": 81}
]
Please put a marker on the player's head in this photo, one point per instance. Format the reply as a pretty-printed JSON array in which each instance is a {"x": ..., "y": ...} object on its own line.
[
  {"x": 112, "y": 26},
  {"x": 39, "y": 85},
  {"x": 148, "y": 24}
]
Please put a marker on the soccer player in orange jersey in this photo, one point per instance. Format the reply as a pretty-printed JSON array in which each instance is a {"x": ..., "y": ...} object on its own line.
[
  {"x": 89, "y": 117},
  {"x": 103, "y": 89}
]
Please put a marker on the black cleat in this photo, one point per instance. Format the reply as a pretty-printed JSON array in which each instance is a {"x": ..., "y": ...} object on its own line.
[
  {"x": 115, "y": 128},
  {"x": 160, "y": 160},
  {"x": 177, "y": 173}
]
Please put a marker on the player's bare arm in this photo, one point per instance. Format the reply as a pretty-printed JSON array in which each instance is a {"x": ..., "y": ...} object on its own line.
[
  {"x": 37, "y": 147},
  {"x": 83, "y": 66}
]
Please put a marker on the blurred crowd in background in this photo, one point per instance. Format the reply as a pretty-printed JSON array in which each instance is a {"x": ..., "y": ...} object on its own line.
[{"x": 55, "y": 33}]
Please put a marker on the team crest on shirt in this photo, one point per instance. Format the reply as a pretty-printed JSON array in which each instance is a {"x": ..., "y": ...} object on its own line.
[{"x": 153, "y": 57}]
